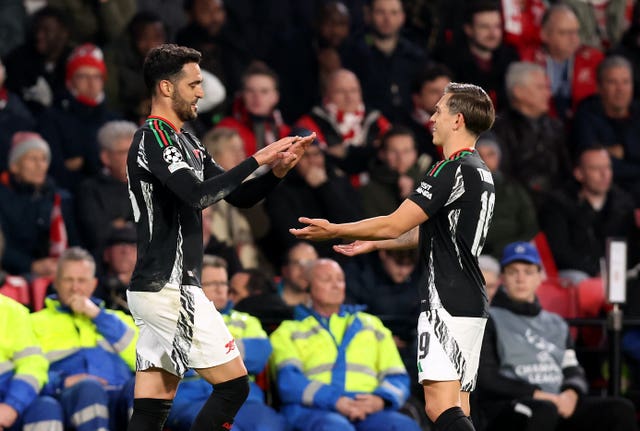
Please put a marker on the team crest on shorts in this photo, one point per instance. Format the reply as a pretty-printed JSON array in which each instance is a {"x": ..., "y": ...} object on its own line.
[{"x": 171, "y": 155}]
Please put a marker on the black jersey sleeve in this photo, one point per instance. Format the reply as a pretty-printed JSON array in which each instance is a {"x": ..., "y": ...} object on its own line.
[
  {"x": 201, "y": 194},
  {"x": 173, "y": 168},
  {"x": 435, "y": 187}
]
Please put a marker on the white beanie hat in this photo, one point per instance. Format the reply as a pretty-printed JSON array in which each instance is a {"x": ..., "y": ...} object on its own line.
[{"x": 25, "y": 141}]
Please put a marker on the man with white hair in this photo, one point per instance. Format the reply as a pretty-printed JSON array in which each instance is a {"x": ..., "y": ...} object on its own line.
[
  {"x": 532, "y": 143},
  {"x": 103, "y": 200}
]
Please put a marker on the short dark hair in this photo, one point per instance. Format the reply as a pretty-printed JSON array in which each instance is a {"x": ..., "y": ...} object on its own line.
[
  {"x": 612, "y": 62},
  {"x": 397, "y": 130},
  {"x": 258, "y": 282},
  {"x": 51, "y": 12},
  {"x": 578, "y": 153},
  {"x": 142, "y": 19},
  {"x": 259, "y": 68},
  {"x": 166, "y": 62},
  {"x": 474, "y": 104},
  {"x": 429, "y": 73},
  {"x": 477, "y": 7}
]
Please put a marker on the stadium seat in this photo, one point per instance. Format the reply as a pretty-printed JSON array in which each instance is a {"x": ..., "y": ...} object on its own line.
[
  {"x": 39, "y": 288},
  {"x": 557, "y": 297},
  {"x": 548, "y": 262},
  {"x": 16, "y": 288}
]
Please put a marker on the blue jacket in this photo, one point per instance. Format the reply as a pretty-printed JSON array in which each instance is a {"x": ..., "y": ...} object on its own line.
[
  {"x": 319, "y": 359},
  {"x": 74, "y": 344}
]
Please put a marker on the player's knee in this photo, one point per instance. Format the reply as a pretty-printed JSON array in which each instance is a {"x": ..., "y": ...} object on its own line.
[{"x": 235, "y": 390}]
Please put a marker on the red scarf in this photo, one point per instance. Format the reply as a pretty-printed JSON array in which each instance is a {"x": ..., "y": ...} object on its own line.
[{"x": 57, "y": 231}]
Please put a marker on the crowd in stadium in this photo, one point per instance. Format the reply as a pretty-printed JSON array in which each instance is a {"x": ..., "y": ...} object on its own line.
[{"x": 365, "y": 76}]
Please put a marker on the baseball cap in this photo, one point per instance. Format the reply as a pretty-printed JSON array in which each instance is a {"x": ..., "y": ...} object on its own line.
[{"x": 520, "y": 251}]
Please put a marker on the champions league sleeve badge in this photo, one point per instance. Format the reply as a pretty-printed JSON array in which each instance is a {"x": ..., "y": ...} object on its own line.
[{"x": 171, "y": 155}]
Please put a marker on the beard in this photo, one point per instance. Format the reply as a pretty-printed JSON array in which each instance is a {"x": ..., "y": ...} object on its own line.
[{"x": 182, "y": 108}]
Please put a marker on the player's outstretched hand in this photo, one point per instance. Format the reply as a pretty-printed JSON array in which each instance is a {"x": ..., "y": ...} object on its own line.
[
  {"x": 292, "y": 156},
  {"x": 275, "y": 151},
  {"x": 318, "y": 229},
  {"x": 355, "y": 248}
]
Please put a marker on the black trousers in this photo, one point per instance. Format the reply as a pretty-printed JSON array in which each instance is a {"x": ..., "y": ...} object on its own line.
[{"x": 591, "y": 414}]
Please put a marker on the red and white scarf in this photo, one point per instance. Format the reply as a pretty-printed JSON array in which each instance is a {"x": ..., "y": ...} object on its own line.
[{"x": 349, "y": 123}]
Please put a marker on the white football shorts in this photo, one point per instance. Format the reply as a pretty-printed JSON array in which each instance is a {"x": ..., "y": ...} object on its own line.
[{"x": 180, "y": 328}]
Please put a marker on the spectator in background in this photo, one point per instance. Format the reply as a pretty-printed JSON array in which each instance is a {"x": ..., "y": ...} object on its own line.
[
  {"x": 629, "y": 47},
  {"x": 315, "y": 188},
  {"x": 14, "y": 117},
  {"x": 223, "y": 55},
  {"x": 255, "y": 349},
  {"x": 602, "y": 23},
  {"x": 215, "y": 247},
  {"x": 99, "y": 24},
  {"x": 36, "y": 69},
  {"x": 253, "y": 292},
  {"x": 529, "y": 377},
  {"x": 427, "y": 89},
  {"x": 173, "y": 14},
  {"x": 612, "y": 118},
  {"x": 118, "y": 261},
  {"x": 514, "y": 218},
  {"x": 393, "y": 175},
  {"x": 391, "y": 63},
  {"x": 260, "y": 25},
  {"x": 71, "y": 125},
  {"x": 254, "y": 115},
  {"x": 23, "y": 374},
  {"x": 103, "y": 200},
  {"x": 333, "y": 47},
  {"x": 13, "y": 22},
  {"x": 387, "y": 283},
  {"x": 345, "y": 128},
  {"x": 583, "y": 214},
  {"x": 293, "y": 286},
  {"x": 235, "y": 227},
  {"x": 125, "y": 89},
  {"x": 483, "y": 59},
  {"x": 571, "y": 66},
  {"x": 92, "y": 348},
  {"x": 532, "y": 143},
  {"x": 490, "y": 268},
  {"x": 328, "y": 384},
  {"x": 35, "y": 216}
]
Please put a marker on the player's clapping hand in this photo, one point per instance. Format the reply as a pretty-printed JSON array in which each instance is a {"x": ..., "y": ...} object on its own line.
[
  {"x": 355, "y": 248},
  {"x": 292, "y": 156},
  {"x": 318, "y": 229},
  {"x": 275, "y": 151}
]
